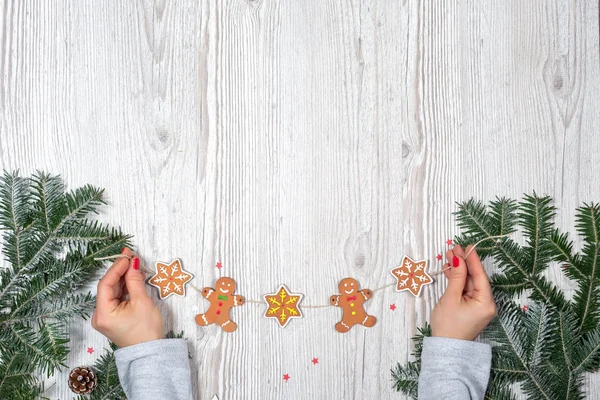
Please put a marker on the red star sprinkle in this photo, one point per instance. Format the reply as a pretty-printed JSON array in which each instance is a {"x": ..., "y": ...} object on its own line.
[
  {"x": 525, "y": 308},
  {"x": 286, "y": 377},
  {"x": 315, "y": 361},
  {"x": 90, "y": 350},
  {"x": 392, "y": 307},
  {"x": 439, "y": 257},
  {"x": 449, "y": 242},
  {"x": 219, "y": 265}
]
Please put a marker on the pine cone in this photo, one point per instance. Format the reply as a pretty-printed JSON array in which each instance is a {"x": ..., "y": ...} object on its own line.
[{"x": 82, "y": 380}]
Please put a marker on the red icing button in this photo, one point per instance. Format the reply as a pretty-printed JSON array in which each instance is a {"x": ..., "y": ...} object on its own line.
[
  {"x": 218, "y": 311},
  {"x": 411, "y": 275},
  {"x": 220, "y": 304}
]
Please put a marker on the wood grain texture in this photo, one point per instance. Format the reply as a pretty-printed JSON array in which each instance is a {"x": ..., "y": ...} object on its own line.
[{"x": 300, "y": 142}]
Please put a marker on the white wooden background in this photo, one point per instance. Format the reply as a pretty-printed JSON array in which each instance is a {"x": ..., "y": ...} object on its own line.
[{"x": 300, "y": 142}]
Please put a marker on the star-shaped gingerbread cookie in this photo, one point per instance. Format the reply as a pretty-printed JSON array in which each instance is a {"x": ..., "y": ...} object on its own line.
[
  {"x": 283, "y": 306},
  {"x": 411, "y": 276},
  {"x": 170, "y": 279}
]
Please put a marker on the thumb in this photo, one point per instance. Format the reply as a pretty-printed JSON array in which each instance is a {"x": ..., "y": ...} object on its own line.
[
  {"x": 134, "y": 280},
  {"x": 457, "y": 278}
]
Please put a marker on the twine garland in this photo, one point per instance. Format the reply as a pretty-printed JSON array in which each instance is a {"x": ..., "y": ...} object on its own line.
[{"x": 149, "y": 271}]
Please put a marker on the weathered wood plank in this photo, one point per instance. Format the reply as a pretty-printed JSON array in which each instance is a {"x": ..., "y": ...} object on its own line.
[{"x": 298, "y": 143}]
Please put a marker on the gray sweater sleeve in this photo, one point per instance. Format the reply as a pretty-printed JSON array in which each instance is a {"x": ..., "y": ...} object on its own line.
[
  {"x": 454, "y": 369},
  {"x": 159, "y": 369}
]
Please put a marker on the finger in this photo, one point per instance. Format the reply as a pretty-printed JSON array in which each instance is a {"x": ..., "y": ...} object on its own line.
[
  {"x": 458, "y": 250},
  {"x": 134, "y": 279},
  {"x": 448, "y": 266},
  {"x": 124, "y": 293},
  {"x": 470, "y": 286},
  {"x": 108, "y": 285},
  {"x": 457, "y": 278},
  {"x": 481, "y": 281},
  {"x": 449, "y": 255},
  {"x": 446, "y": 270}
]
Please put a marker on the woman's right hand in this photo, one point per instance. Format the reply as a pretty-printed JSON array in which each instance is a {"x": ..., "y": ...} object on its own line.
[
  {"x": 467, "y": 306},
  {"x": 124, "y": 312}
]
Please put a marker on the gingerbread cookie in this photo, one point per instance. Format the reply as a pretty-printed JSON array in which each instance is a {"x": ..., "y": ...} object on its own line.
[
  {"x": 283, "y": 305},
  {"x": 222, "y": 300},
  {"x": 170, "y": 279},
  {"x": 411, "y": 276},
  {"x": 351, "y": 301}
]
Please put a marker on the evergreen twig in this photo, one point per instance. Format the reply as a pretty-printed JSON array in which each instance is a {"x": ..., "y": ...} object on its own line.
[
  {"x": 547, "y": 348},
  {"x": 49, "y": 245}
]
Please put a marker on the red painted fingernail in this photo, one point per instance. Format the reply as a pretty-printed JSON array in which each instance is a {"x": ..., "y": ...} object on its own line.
[
  {"x": 455, "y": 262},
  {"x": 123, "y": 250},
  {"x": 136, "y": 263}
]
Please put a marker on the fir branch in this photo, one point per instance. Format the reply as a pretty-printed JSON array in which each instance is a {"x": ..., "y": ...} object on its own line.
[
  {"x": 509, "y": 333},
  {"x": 536, "y": 214},
  {"x": 503, "y": 215},
  {"x": 474, "y": 219},
  {"x": 14, "y": 213},
  {"x": 75, "y": 208},
  {"x": 546, "y": 349},
  {"x": 49, "y": 246},
  {"x": 64, "y": 277},
  {"x": 48, "y": 200},
  {"x": 14, "y": 197},
  {"x": 586, "y": 300},
  {"x": 540, "y": 324},
  {"x": 562, "y": 251},
  {"x": 15, "y": 373},
  {"x": 407, "y": 378},
  {"x": 509, "y": 283},
  {"x": 61, "y": 309},
  {"x": 24, "y": 340},
  {"x": 587, "y": 353},
  {"x": 83, "y": 232},
  {"x": 52, "y": 339},
  {"x": 496, "y": 392},
  {"x": 117, "y": 241}
]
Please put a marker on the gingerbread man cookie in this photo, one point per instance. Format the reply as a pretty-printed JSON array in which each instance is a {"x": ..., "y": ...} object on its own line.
[
  {"x": 351, "y": 301},
  {"x": 222, "y": 300}
]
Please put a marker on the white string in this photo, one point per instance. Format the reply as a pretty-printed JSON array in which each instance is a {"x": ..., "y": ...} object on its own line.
[
  {"x": 471, "y": 250},
  {"x": 147, "y": 270}
]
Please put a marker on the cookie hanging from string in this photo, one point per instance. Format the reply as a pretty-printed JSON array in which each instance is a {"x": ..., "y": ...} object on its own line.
[
  {"x": 283, "y": 305},
  {"x": 170, "y": 279},
  {"x": 411, "y": 276},
  {"x": 222, "y": 300},
  {"x": 351, "y": 301}
]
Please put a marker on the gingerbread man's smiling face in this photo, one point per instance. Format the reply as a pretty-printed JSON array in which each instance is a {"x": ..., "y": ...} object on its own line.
[
  {"x": 348, "y": 286},
  {"x": 225, "y": 285}
]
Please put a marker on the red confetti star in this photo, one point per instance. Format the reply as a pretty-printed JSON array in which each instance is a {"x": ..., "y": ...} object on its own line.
[
  {"x": 90, "y": 350},
  {"x": 525, "y": 308},
  {"x": 392, "y": 307},
  {"x": 449, "y": 242},
  {"x": 315, "y": 361},
  {"x": 286, "y": 377},
  {"x": 219, "y": 265},
  {"x": 439, "y": 257}
]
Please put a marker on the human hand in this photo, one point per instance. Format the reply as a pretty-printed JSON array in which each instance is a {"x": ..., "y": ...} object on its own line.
[
  {"x": 126, "y": 321},
  {"x": 467, "y": 306}
]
